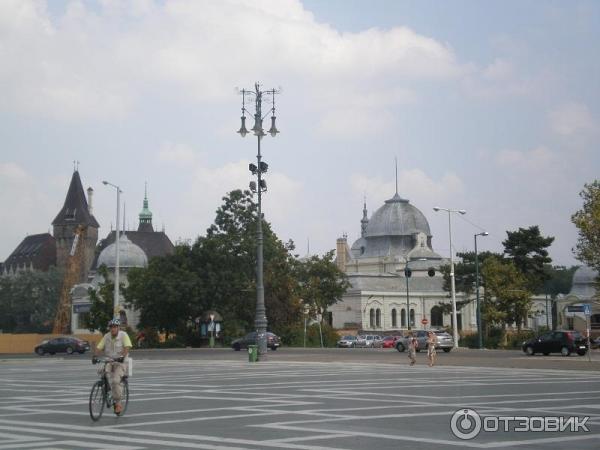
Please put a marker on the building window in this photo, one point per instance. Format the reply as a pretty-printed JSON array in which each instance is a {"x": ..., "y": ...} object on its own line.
[
  {"x": 412, "y": 317},
  {"x": 378, "y": 318},
  {"x": 403, "y": 318},
  {"x": 437, "y": 317},
  {"x": 394, "y": 318},
  {"x": 372, "y": 318}
]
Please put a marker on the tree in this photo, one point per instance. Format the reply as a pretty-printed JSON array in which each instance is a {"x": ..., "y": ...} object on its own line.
[
  {"x": 587, "y": 221},
  {"x": 527, "y": 249},
  {"x": 559, "y": 280},
  {"x": 28, "y": 301},
  {"x": 507, "y": 299},
  {"x": 102, "y": 303},
  {"x": 167, "y": 292},
  {"x": 321, "y": 282}
]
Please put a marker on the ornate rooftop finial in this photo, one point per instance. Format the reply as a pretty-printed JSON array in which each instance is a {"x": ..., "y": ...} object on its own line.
[
  {"x": 396, "y": 163},
  {"x": 145, "y": 215},
  {"x": 365, "y": 220}
]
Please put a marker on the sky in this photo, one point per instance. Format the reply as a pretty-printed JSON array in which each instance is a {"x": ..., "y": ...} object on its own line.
[{"x": 492, "y": 107}]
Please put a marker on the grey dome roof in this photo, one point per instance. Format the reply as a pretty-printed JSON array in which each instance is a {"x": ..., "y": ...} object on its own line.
[
  {"x": 585, "y": 275},
  {"x": 397, "y": 218},
  {"x": 130, "y": 255}
]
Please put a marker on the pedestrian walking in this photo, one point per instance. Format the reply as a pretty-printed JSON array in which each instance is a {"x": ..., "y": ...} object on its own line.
[
  {"x": 431, "y": 343},
  {"x": 413, "y": 344}
]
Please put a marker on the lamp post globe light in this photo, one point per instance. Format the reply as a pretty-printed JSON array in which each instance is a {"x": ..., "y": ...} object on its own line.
[
  {"x": 452, "y": 281},
  {"x": 116, "y": 299},
  {"x": 258, "y": 187},
  {"x": 479, "y": 330}
]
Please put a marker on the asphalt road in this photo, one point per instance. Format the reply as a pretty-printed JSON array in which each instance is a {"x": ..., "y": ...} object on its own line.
[
  {"x": 462, "y": 357},
  {"x": 299, "y": 399}
]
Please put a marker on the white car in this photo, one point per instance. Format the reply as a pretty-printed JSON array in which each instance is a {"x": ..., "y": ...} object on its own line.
[{"x": 347, "y": 342}]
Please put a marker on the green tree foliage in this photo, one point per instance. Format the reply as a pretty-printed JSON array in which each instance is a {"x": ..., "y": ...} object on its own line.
[
  {"x": 102, "y": 303},
  {"x": 527, "y": 249},
  {"x": 321, "y": 283},
  {"x": 28, "y": 301},
  {"x": 587, "y": 221},
  {"x": 507, "y": 298},
  {"x": 218, "y": 273},
  {"x": 464, "y": 276}
]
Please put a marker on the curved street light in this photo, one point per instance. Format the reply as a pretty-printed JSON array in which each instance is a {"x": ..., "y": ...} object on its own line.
[{"x": 116, "y": 295}]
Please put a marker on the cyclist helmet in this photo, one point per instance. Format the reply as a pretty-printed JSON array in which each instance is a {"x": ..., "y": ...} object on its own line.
[{"x": 115, "y": 322}]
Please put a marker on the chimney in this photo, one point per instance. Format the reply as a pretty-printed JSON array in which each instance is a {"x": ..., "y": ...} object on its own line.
[
  {"x": 90, "y": 193},
  {"x": 341, "y": 256}
]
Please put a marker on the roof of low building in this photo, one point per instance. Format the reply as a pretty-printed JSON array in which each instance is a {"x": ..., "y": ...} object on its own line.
[{"x": 37, "y": 251}]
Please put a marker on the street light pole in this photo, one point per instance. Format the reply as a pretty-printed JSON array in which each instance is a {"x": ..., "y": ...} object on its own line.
[
  {"x": 407, "y": 275},
  {"x": 452, "y": 281},
  {"x": 479, "y": 330},
  {"x": 116, "y": 295},
  {"x": 260, "y": 319}
]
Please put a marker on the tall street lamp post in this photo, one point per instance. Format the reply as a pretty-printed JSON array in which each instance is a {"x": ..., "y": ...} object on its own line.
[
  {"x": 260, "y": 186},
  {"x": 116, "y": 300},
  {"x": 452, "y": 281},
  {"x": 479, "y": 330}
]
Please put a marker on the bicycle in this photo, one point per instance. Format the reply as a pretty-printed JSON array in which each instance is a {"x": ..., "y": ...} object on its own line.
[{"x": 101, "y": 394}]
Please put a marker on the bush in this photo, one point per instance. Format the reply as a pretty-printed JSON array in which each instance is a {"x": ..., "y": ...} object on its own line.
[
  {"x": 469, "y": 340},
  {"x": 294, "y": 336}
]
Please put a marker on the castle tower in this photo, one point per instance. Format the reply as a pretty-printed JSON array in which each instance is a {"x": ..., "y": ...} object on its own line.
[
  {"x": 75, "y": 212},
  {"x": 145, "y": 215}
]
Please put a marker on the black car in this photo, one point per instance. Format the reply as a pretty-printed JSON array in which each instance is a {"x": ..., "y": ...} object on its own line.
[
  {"x": 250, "y": 339},
  {"x": 62, "y": 344},
  {"x": 563, "y": 342}
]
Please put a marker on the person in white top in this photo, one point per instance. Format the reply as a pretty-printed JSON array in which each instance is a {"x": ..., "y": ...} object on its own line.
[{"x": 116, "y": 345}]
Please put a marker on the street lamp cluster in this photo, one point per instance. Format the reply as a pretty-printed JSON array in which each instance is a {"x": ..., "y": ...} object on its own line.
[
  {"x": 116, "y": 294},
  {"x": 259, "y": 186}
]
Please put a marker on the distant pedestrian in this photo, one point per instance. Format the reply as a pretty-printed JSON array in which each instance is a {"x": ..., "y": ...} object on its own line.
[
  {"x": 413, "y": 344},
  {"x": 431, "y": 343}
]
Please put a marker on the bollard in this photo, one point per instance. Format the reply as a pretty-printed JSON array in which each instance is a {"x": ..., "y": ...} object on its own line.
[{"x": 252, "y": 353}]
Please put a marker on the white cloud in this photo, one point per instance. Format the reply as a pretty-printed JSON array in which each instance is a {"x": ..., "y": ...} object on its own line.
[
  {"x": 99, "y": 62},
  {"x": 26, "y": 209},
  {"x": 572, "y": 119},
  {"x": 413, "y": 184},
  {"x": 179, "y": 154}
]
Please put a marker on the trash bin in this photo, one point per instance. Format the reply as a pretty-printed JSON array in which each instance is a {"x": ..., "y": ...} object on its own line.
[{"x": 252, "y": 353}]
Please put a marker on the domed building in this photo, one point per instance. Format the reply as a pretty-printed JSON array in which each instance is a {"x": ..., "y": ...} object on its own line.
[
  {"x": 136, "y": 248},
  {"x": 583, "y": 291},
  {"x": 397, "y": 236}
]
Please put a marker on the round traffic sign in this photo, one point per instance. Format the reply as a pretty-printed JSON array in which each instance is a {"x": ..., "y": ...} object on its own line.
[{"x": 424, "y": 321}]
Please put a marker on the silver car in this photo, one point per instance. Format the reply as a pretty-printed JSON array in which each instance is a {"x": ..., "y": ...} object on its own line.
[
  {"x": 445, "y": 342},
  {"x": 369, "y": 341},
  {"x": 347, "y": 342}
]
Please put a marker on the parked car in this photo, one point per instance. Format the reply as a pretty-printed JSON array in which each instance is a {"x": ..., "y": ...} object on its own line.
[
  {"x": 63, "y": 344},
  {"x": 390, "y": 341},
  {"x": 563, "y": 342},
  {"x": 369, "y": 341},
  {"x": 273, "y": 341},
  {"x": 445, "y": 341},
  {"x": 347, "y": 342}
]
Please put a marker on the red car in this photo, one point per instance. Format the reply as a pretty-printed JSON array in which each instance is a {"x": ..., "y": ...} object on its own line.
[{"x": 390, "y": 341}]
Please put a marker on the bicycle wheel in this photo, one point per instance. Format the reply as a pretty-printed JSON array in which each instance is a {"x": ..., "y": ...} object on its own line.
[
  {"x": 124, "y": 396},
  {"x": 97, "y": 400}
]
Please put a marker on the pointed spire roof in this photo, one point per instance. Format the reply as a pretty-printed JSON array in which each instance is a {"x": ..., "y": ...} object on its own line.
[
  {"x": 75, "y": 211},
  {"x": 145, "y": 215}
]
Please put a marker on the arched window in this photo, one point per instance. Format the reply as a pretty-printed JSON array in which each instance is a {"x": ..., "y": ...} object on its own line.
[
  {"x": 372, "y": 318},
  {"x": 394, "y": 318},
  {"x": 402, "y": 317},
  {"x": 412, "y": 317},
  {"x": 437, "y": 317},
  {"x": 378, "y": 318}
]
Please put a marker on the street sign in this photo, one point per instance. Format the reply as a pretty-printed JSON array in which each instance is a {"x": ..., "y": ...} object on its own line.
[
  {"x": 424, "y": 321},
  {"x": 575, "y": 308},
  {"x": 587, "y": 310}
]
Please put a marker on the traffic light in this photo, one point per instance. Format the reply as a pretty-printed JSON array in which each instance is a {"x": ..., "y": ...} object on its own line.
[
  {"x": 252, "y": 168},
  {"x": 407, "y": 272},
  {"x": 263, "y": 167},
  {"x": 253, "y": 186},
  {"x": 263, "y": 185},
  {"x": 431, "y": 272}
]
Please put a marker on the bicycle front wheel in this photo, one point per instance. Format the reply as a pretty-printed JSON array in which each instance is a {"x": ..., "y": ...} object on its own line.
[
  {"x": 97, "y": 400},
  {"x": 124, "y": 396}
]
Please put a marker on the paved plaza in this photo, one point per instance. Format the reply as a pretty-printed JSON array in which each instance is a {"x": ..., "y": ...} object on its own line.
[{"x": 228, "y": 403}]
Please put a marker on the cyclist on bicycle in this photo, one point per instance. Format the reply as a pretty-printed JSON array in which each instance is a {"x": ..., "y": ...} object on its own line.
[{"x": 116, "y": 345}]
